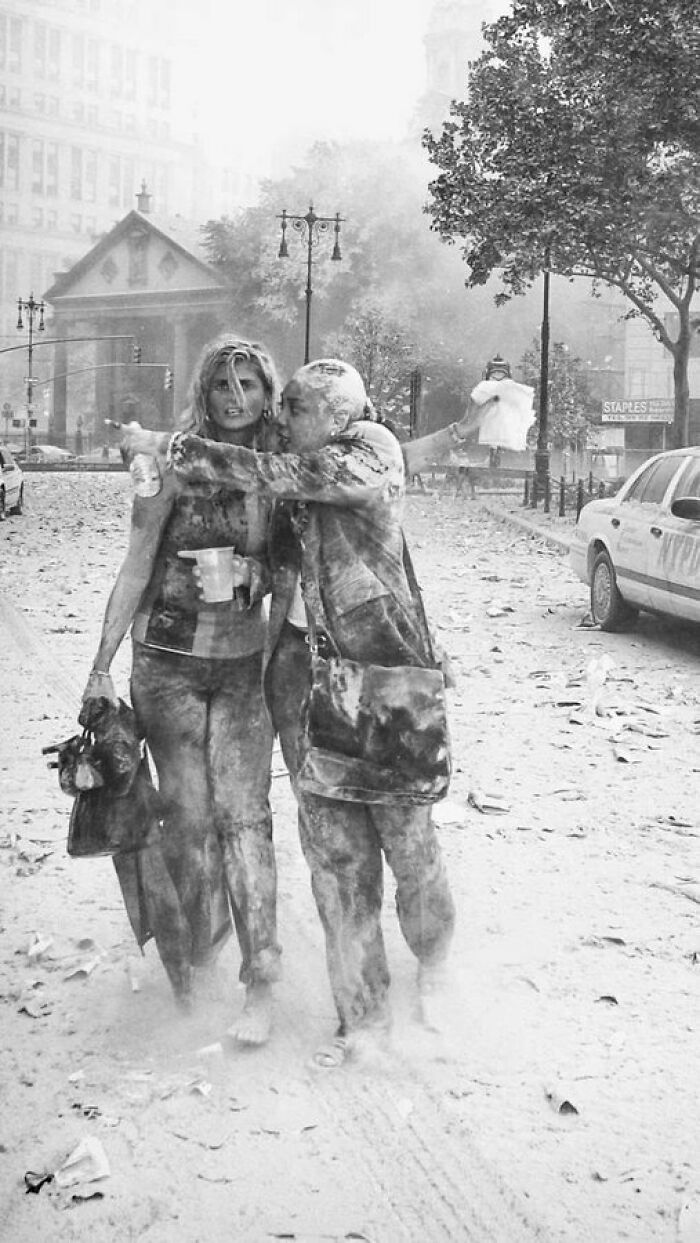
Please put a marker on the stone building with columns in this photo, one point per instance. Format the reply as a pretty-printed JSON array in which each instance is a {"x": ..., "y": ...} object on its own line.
[{"x": 129, "y": 319}]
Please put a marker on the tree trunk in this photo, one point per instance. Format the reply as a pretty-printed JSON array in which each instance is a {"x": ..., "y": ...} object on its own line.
[{"x": 681, "y": 391}]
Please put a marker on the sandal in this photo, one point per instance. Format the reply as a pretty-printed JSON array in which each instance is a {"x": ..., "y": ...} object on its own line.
[{"x": 332, "y": 1055}]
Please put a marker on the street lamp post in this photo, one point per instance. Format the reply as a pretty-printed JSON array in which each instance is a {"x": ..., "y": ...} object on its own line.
[
  {"x": 31, "y": 309},
  {"x": 542, "y": 450},
  {"x": 311, "y": 228}
]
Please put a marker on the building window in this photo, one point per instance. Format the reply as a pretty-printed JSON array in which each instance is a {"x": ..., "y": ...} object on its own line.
[
  {"x": 10, "y": 43},
  {"x": 165, "y": 84},
  {"x": 11, "y": 272},
  {"x": 40, "y": 50},
  {"x": 114, "y": 181},
  {"x": 37, "y": 217},
  {"x": 52, "y": 219},
  {"x": 78, "y": 58},
  {"x": 40, "y": 103},
  {"x": 78, "y": 112},
  {"x": 76, "y": 224},
  {"x": 37, "y": 166},
  {"x": 53, "y": 105},
  {"x": 91, "y": 114},
  {"x": 116, "y": 64},
  {"x": 76, "y": 173},
  {"x": 11, "y": 214},
  {"x": 51, "y": 186},
  {"x": 92, "y": 64},
  {"x": 138, "y": 258},
  {"x": 128, "y": 184},
  {"x": 90, "y": 176},
  {"x": 91, "y": 225},
  {"x": 9, "y": 161},
  {"x": 153, "y": 81},
  {"x": 130, "y": 73},
  {"x": 54, "y": 54},
  {"x": 14, "y": 97}
]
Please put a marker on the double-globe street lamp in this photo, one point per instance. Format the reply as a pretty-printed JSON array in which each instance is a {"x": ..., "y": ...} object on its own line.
[
  {"x": 310, "y": 228},
  {"x": 31, "y": 309}
]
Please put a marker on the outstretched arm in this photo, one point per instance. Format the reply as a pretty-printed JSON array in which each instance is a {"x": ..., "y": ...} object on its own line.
[
  {"x": 359, "y": 467},
  {"x": 422, "y": 453}
]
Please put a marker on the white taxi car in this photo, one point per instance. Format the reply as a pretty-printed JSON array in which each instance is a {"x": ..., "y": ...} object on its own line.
[
  {"x": 11, "y": 484},
  {"x": 640, "y": 549}
]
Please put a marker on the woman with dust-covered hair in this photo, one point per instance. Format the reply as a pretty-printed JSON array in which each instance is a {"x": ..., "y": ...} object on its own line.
[
  {"x": 337, "y": 559},
  {"x": 196, "y": 689}
]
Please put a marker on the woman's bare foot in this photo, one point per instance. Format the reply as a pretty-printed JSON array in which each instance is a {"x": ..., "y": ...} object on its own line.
[{"x": 255, "y": 1024}]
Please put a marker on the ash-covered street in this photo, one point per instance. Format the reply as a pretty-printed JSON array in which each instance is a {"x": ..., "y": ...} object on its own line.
[{"x": 559, "y": 1106}]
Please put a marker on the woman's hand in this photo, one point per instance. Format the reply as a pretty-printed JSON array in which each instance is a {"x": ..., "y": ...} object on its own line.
[
  {"x": 473, "y": 417},
  {"x": 99, "y": 687},
  {"x": 138, "y": 439},
  {"x": 242, "y": 575}
]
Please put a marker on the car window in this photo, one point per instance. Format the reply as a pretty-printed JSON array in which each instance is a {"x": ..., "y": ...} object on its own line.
[
  {"x": 689, "y": 482},
  {"x": 651, "y": 485}
]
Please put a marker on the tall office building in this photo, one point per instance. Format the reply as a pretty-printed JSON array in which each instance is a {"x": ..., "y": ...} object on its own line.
[{"x": 94, "y": 100}]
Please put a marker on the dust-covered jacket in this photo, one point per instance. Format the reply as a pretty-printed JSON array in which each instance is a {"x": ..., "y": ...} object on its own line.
[{"x": 337, "y": 523}]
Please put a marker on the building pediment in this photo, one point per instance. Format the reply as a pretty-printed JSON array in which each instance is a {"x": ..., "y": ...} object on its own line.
[{"x": 136, "y": 256}]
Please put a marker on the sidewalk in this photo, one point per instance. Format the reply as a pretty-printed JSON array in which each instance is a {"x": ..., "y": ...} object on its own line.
[{"x": 557, "y": 531}]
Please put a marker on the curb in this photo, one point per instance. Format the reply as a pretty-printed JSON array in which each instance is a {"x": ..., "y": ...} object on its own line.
[{"x": 560, "y": 541}]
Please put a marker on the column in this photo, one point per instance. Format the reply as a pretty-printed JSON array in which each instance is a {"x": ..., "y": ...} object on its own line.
[
  {"x": 181, "y": 367},
  {"x": 60, "y": 387}
]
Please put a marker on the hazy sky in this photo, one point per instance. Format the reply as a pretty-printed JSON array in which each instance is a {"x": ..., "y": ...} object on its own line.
[{"x": 279, "y": 72}]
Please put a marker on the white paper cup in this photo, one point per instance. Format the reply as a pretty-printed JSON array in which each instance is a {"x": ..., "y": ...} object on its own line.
[{"x": 215, "y": 570}]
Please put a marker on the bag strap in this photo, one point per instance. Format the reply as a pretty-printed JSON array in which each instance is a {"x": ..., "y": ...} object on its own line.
[{"x": 418, "y": 600}]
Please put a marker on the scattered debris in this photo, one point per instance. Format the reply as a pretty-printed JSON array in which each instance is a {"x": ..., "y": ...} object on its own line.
[
  {"x": 625, "y": 755},
  {"x": 33, "y": 1182},
  {"x": 488, "y": 804},
  {"x": 87, "y": 1163},
  {"x": 83, "y": 969},
  {"x": 560, "y": 1102},
  {"x": 39, "y": 947},
  {"x": 691, "y": 891}
]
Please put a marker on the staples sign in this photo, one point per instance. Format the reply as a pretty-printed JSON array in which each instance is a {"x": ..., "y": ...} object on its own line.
[{"x": 638, "y": 410}]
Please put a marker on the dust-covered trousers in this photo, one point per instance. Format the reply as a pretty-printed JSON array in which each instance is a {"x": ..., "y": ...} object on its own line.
[
  {"x": 210, "y": 737},
  {"x": 343, "y": 844}
]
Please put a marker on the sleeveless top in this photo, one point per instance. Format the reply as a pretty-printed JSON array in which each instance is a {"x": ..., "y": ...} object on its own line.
[{"x": 172, "y": 615}]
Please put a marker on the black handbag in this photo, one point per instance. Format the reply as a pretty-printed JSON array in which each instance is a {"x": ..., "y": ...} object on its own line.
[
  {"x": 103, "y": 822},
  {"x": 375, "y": 733},
  {"x": 106, "y": 771}
]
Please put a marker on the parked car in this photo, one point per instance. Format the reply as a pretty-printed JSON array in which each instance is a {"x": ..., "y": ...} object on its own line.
[
  {"x": 11, "y": 484},
  {"x": 49, "y": 454},
  {"x": 640, "y": 549}
]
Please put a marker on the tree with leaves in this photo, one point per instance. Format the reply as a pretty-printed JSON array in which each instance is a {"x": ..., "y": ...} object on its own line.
[
  {"x": 576, "y": 152},
  {"x": 383, "y": 352},
  {"x": 393, "y": 267},
  {"x": 569, "y": 399}
]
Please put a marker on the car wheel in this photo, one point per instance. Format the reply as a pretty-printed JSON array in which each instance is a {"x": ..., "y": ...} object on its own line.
[
  {"x": 608, "y": 608},
  {"x": 2, "y": 504},
  {"x": 17, "y": 509}
]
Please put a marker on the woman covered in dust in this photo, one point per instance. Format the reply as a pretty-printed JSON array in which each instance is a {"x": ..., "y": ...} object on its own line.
[{"x": 196, "y": 691}]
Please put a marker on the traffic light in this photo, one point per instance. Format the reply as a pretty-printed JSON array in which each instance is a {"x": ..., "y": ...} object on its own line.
[
  {"x": 167, "y": 379},
  {"x": 135, "y": 353}
]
